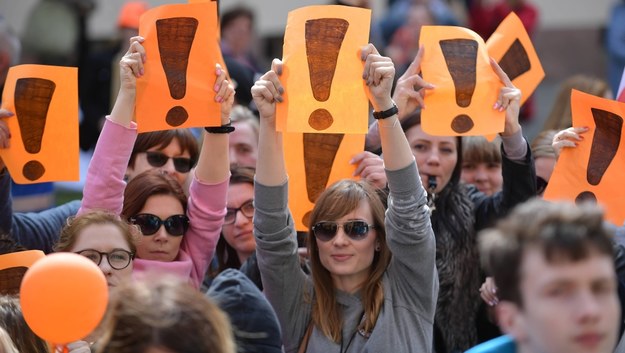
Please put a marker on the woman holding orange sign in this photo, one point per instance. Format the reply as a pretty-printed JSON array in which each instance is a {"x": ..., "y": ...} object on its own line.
[{"x": 374, "y": 284}]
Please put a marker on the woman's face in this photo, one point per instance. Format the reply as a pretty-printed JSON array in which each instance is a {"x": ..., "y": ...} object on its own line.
[
  {"x": 486, "y": 177},
  {"x": 349, "y": 260},
  {"x": 153, "y": 158},
  {"x": 239, "y": 234},
  {"x": 435, "y": 155},
  {"x": 105, "y": 238},
  {"x": 160, "y": 246}
]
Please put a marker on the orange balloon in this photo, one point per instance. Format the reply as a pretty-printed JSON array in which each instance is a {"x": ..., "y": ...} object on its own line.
[{"x": 64, "y": 297}]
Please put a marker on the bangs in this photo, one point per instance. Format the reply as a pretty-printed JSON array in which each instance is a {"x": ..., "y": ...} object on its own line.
[{"x": 476, "y": 149}]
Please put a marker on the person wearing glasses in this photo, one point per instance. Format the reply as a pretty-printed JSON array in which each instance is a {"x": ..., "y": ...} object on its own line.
[
  {"x": 179, "y": 235},
  {"x": 105, "y": 239},
  {"x": 374, "y": 281}
]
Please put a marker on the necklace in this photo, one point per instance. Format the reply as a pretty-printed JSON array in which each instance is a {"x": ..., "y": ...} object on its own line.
[{"x": 358, "y": 330}]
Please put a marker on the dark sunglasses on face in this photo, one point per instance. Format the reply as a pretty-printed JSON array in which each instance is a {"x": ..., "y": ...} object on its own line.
[
  {"x": 246, "y": 208},
  {"x": 119, "y": 259},
  {"x": 175, "y": 225},
  {"x": 158, "y": 159},
  {"x": 541, "y": 185},
  {"x": 355, "y": 230}
]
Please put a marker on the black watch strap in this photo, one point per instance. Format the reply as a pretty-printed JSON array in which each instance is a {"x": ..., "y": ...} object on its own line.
[
  {"x": 386, "y": 113},
  {"x": 223, "y": 129}
]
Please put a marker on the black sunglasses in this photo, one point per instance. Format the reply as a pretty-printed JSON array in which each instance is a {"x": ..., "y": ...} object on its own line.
[
  {"x": 541, "y": 185},
  {"x": 175, "y": 225},
  {"x": 119, "y": 259},
  {"x": 158, "y": 159},
  {"x": 355, "y": 230}
]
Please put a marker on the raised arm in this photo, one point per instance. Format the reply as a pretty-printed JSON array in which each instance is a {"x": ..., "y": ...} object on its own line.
[
  {"x": 214, "y": 165},
  {"x": 270, "y": 168},
  {"x": 379, "y": 73}
]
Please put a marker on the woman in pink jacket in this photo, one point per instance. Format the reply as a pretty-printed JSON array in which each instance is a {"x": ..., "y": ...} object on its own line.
[{"x": 179, "y": 235}]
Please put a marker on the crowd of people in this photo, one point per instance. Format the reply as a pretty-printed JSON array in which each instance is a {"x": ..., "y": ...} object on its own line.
[{"x": 440, "y": 243}]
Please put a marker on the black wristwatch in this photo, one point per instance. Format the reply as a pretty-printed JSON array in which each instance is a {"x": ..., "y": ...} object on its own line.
[
  {"x": 386, "y": 113},
  {"x": 223, "y": 129}
]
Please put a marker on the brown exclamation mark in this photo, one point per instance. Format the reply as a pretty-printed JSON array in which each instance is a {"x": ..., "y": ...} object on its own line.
[
  {"x": 515, "y": 62},
  {"x": 461, "y": 58},
  {"x": 32, "y": 100},
  {"x": 323, "y": 43},
  {"x": 605, "y": 144},
  {"x": 324, "y": 37},
  {"x": 175, "y": 38}
]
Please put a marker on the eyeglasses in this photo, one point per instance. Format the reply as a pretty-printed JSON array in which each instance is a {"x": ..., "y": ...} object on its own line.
[
  {"x": 355, "y": 230},
  {"x": 119, "y": 259},
  {"x": 541, "y": 185},
  {"x": 247, "y": 209},
  {"x": 175, "y": 225},
  {"x": 158, "y": 159}
]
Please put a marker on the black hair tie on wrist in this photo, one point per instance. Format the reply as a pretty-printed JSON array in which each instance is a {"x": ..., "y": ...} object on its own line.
[
  {"x": 223, "y": 129},
  {"x": 386, "y": 113}
]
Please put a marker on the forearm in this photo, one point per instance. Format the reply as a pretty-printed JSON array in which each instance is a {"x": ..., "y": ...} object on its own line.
[
  {"x": 271, "y": 169},
  {"x": 214, "y": 164},
  {"x": 395, "y": 148},
  {"x": 515, "y": 146},
  {"x": 124, "y": 108}
]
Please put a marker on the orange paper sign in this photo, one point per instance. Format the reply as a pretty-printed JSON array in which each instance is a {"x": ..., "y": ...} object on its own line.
[
  {"x": 457, "y": 63},
  {"x": 326, "y": 160},
  {"x": 511, "y": 46},
  {"x": 594, "y": 169},
  {"x": 181, "y": 48},
  {"x": 44, "y": 143},
  {"x": 322, "y": 72}
]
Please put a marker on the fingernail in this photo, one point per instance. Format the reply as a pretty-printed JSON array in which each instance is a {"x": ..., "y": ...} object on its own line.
[
  {"x": 494, "y": 290},
  {"x": 491, "y": 303},
  {"x": 351, "y": 161},
  {"x": 281, "y": 90},
  {"x": 216, "y": 88},
  {"x": 362, "y": 56},
  {"x": 279, "y": 99},
  {"x": 11, "y": 114},
  {"x": 142, "y": 72},
  {"x": 279, "y": 71},
  {"x": 218, "y": 72},
  {"x": 495, "y": 106},
  {"x": 501, "y": 109},
  {"x": 429, "y": 85},
  {"x": 218, "y": 99}
]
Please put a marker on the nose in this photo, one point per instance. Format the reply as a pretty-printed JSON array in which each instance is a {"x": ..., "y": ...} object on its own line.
[
  {"x": 433, "y": 157},
  {"x": 589, "y": 308},
  {"x": 168, "y": 168},
  {"x": 480, "y": 174},
  {"x": 105, "y": 267},
  {"x": 340, "y": 239},
  {"x": 240, "y": 219},
  {"x": 161, "y": 234},
  {"x": 233, "y": 156}
]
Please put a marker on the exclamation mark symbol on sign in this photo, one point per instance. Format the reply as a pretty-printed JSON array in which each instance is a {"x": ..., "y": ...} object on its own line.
[
  {"x": 175, "y": 38},
  {"x": 605, "y": 144},
  {"x": 32, "y": 100},
  {"x": 319, "y": 153},
  {"x": 461, "y": 58},
  {"x": 323, "y": 43},
  {"x": 515, "y": 61}
]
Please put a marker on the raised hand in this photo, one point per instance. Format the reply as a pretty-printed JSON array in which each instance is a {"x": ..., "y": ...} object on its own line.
[
  {"x": 268, "y": 90},
  {"x": 488, "y": 292},
  {"x": 379, "y": 73},
  {"x": 410, "y": 88},
  {"x": 5, "y": 134},
  {"x": 568, "y": 138},
  {"x": 509, "y": 99},
  {"x": 131, "y": 64},
  {"x": 370, "y": 168},
  {"x": 224, "y": 93}
]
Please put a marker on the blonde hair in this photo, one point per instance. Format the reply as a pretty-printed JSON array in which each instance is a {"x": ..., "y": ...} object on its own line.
[
  {"x": 477, "y": 149},
  {"x": 560, "y": 117},
  {"x": 163, "y": 312},
  {"x": 338, "y": 200},
  {"x": 6, "y": 344},
  {"x": 76, "y": 225}
]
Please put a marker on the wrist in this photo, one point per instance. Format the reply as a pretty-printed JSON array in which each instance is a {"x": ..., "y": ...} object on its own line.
[
  {"x": 383, "y": 105},
  {"x": 511, "y": 129}
]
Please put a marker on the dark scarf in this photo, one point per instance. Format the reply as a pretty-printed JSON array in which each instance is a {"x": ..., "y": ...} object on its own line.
[{"x": 457, "y": 261}]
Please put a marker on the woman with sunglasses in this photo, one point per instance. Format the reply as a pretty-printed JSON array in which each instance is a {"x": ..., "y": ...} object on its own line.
[
  {"x": 179, "y": 236},
  {"x": 373, "y": 285}
]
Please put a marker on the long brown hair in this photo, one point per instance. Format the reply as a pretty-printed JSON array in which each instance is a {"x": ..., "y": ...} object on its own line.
[
  {"x": 338, "y": 200},
  {"x": 146, "y": 184}
]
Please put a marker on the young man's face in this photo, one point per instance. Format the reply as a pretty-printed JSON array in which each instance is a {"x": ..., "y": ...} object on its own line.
[{"x": 567, "y": 306}]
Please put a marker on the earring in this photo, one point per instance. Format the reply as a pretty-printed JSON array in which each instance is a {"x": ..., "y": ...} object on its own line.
[{"x": 377, "y": 246}]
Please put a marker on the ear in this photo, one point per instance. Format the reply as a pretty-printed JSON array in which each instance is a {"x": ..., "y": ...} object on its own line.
[
  {"x": 378, "y": 247},
  {"x": 511, "y": 320}
]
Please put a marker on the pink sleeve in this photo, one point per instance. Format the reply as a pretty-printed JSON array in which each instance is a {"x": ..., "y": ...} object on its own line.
[
  {"x": 104, "y": 186},
  {"x": 206, "y": 211}
]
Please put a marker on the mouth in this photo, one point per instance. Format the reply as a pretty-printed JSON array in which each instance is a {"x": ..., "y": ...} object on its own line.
[
  {"x": 589, "y": 340},
  {"x": 341, "y": 257},
  {"x": 243, "y": 235}
]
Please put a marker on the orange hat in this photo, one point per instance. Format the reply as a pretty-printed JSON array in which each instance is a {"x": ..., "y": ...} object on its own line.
[{"x": 130, "y": 14}]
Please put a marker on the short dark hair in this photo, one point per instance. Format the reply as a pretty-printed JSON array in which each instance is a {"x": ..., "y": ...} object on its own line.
[
  {"x": 561, "y": 230},
  {"x": 234, "y": 13},
  {"x": 162, "y": 139}
]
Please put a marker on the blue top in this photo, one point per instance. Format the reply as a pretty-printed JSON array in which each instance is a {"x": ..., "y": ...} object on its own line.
[{"x": 501, "y": 344}]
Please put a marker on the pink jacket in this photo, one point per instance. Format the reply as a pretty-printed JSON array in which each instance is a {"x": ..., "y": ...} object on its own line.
[{"x": 104, "y": 189}]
